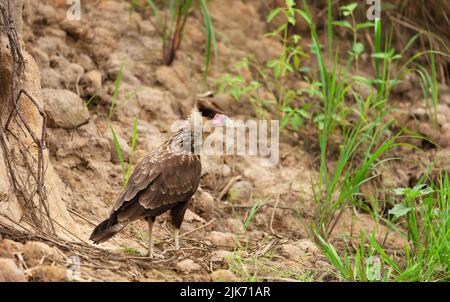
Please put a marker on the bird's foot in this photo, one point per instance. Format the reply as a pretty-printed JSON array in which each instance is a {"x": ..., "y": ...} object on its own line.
[{"x": 153, "y": 255}]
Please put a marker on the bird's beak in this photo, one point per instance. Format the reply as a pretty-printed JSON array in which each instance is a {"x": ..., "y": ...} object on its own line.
[{"x": 220, "y": 120}]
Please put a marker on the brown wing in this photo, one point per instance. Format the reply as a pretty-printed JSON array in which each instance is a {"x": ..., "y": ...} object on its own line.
[{"x": 158, "y": 183}]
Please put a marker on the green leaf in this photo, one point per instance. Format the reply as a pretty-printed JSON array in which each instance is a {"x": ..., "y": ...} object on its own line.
[
  {"x": 305, "y": 16},
  {"x": 116, "y": 91},
  {"x": 345, "y": 24},
  {"x": 358, "y": 48},
  {"x": 211, "y": 43},
  {"x": 284, "y": 121},
  {"x": 348, "y": 9},
  {"x": 399, "y": 210},
  {"x": 364, "y": 25},
  {"x": 272, "y": 63},
  {"x": 291, "y": 20},
  {"x": 273, "y": 13},
  {"x": 296, "y": 60}
]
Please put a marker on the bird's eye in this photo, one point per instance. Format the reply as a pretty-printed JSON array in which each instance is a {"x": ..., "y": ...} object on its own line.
[{"x": 208, "y": 113}]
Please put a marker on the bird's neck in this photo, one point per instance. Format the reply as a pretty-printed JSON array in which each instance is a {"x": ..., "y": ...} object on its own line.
[{"x": 188, "y": 138}]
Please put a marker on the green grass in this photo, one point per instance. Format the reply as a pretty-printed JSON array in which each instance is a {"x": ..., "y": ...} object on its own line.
[
  {"x": 125, "y": 167},
  {"x": 365, "y": 145},
  {"x": 424, "y": 215},
  {"x": 254, "y": 209},
  {"x": 130, "y": 250},
  {"x": 367, "y": 142},
  {"x": 171, "y": 22}
]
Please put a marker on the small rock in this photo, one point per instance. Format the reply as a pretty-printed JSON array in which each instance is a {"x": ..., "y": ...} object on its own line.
[
  {"x": 146, "y": 28},
  {"x": 8, "y": 248},
  {"x": 52, "y": 45},
  {"x": 50, "y": 78},
  {"x": 85, "y": 62},
  {"x": 223, "y": 276},
  {"x": 226, "y": 170},
  {"x": 221, "y": 239},
  {"x": 241, "y": 191},
  {"x": 221, "y": 256},
  {"x": 40, "y": 57},
  {"x": 426, "y": 129},
  {"x": 405, "y": 85},
  {"x": 49, "y": 273},
  {"x": 420, "y": 113},
  {"x": 444, "y": 139},
  {"x": 10, "y": 272},
  {"x": 322, "y": 264},
  {"x": 235, "y": 225},
  {"x": 363, "y": 89},
  {"x": 445, "y": 99},
  {"x": 94, "y": 77},
  {"x": 308, "y": 246},
  {"x": 91, "y": 83},
  {"x": 441, "y": 119},
  {"x": 72, "y": 75},
  {"x": 48, "y": 13},
  {"x": 64, "y": 108},
  {"x": 35, "y": 251},
  {"x": 190, "y": 216},
  {"x": 75, "y": 29},
  {"x": 169, "y": 79},
  {"x": 155, "y": 101},
  {"x": 205, "y": 204},
  {"x": 291, "y": 251},
  {"x": 188, "y": 266}
]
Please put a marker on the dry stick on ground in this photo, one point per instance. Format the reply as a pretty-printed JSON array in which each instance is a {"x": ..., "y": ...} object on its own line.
[
  {"x": 228, "y": 186},
  {"x": 90, "y": 254},
  {"x": 189, "y": 232},
  {"x": 272, "y": 217},
  {"x": 262, "y": 206}
]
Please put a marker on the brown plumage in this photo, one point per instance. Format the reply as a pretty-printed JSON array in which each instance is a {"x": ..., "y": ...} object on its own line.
[{"x": 162, "y": 181}]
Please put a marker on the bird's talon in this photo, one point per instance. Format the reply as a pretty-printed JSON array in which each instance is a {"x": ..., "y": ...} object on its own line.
[{"x": 154, "y": 255}]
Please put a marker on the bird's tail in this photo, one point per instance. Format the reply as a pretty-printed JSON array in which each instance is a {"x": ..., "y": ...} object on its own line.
[{"x": 105, "y": 230}]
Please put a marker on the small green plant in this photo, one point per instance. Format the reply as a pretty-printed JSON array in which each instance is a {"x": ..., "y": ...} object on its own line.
[
  {"x": 256, "y": 206},
  {"x": 172, "y": 23},
  {"x": 130, "y": 250},
  {"x": 126, "y": 171},
  {"x": 357, "y": 47},
  {"x": 240, "y": 88},
  {"x": 273, "y": 76},
  {"x": 126, "y": 167}
]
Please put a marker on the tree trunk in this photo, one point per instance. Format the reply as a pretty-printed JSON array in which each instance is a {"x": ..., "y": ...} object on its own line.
[{"x": 29, "y": 188}]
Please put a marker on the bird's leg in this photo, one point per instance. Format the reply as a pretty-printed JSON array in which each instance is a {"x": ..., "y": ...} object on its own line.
[
  {"x": 176, "y": 233},
  {"x": 150, "y": 237},
  {"x": 150, "y": 253},
  {"x": 177, "y": 214}
]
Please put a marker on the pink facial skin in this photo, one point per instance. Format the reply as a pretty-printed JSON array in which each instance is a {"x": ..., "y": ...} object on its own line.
[{"x": 220, "y": 120}]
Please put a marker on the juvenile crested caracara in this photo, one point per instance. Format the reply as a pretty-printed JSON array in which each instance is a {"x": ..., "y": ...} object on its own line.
[{"x": 162, "y": 181}]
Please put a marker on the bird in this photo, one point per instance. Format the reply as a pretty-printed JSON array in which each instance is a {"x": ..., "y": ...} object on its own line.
[{"x": 164, "y": 180}]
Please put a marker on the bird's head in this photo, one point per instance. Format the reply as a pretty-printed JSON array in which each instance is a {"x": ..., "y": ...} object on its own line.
[{"x": 212, "y": 114}]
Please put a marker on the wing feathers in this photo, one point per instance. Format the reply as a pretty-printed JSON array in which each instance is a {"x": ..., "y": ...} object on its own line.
[{"x": 158, "y": 182}]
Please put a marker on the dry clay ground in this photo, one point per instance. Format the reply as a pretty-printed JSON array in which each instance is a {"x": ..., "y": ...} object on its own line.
[{"x": 79, "y": 59}]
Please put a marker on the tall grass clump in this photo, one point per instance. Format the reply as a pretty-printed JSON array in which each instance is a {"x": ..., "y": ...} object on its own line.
[
  {"x": 171, "y": 21},
  {"x": 424, "y": 213},
  {"x": 366, "y": 142}
]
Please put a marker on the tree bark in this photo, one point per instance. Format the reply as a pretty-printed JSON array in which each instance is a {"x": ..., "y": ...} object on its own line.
[{"x": 30, "y": 194}]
